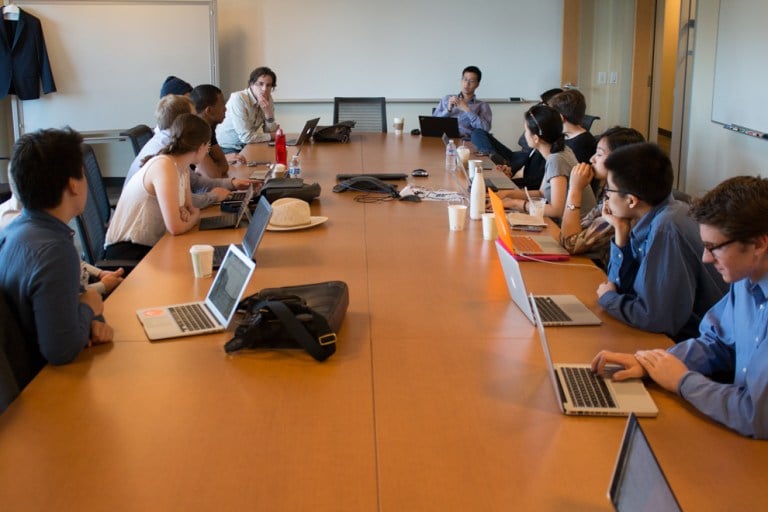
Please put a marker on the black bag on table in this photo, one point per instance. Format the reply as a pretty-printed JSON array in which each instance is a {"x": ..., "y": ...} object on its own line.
[
  {"x": 305, "y": 316},
  {"x": 278, "y": 188},
  {"x": 339, "y": 132}
]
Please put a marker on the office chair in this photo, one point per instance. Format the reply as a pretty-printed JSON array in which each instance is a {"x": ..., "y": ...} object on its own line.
[
  {"x": 369, "y": 114},
  {"x": 588, "y": 120},
  {"x": 96, "y": 188},
  {"x": 139, "y": 135},
  {"x": 12, "y": 357}
]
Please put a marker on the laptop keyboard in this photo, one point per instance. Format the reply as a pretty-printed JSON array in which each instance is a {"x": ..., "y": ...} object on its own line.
[
  {"x": 550, "y": 311},
  {"x": 236, "y": 196},
  {"x": 219, "y": 221},
  {"x": 191, "y": 317},
  {"x": 586, "y": 389},
  {"x": 525, "y": 244}
]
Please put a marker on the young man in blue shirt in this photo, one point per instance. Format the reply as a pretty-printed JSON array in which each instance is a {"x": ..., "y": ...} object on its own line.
[
  {"x": 472, "y": 113},
  {"x": 39, "y": 265},
  {"x": 724, "y": 371},
  {"x": 656, "y": 279}
]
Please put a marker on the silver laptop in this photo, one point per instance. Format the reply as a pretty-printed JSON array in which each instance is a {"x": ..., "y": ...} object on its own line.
[
  {"x": 229, "y": 220},
  {"x": 497, "y": 180},
  {"x": 556, "y": 310},
  {"x": 304, "y": 136},
  {"x": 638, "y": 482},
  {"x": 212, "y": 315},
  {"x": 581, "y": 392},
  {"x": 252, "y": 238}
]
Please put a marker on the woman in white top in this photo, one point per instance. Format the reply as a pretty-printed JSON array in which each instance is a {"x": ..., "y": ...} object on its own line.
[
  {"x": 158, "y": 198},
  {"x": 544, "y": 133}
]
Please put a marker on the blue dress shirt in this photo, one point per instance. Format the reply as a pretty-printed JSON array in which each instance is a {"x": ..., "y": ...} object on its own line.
[
  {"x": 479, "y": 115},
  {"x": 731, "y": 341},
  {"x": 662, "y": 284}
]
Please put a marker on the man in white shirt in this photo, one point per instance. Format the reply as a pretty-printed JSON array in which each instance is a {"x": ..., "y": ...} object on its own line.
[{"x": 250, "y": 113}]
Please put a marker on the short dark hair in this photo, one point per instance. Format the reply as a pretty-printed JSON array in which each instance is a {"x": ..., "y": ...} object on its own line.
[
  {"x": 42, "y": 163},
  {"x": 545, "y": 122},
  {"x": 619, "y": 136},
  {"x": 643, "y": 170},
  {"x": 738, "y": 207},
  {"x": 571, "y": 104},
  {"x": 261, "y": 71},
  {"x": 204, "y": 96},
  {"x": 475, "y": 70},
  {"x": 549, "y": 93}
]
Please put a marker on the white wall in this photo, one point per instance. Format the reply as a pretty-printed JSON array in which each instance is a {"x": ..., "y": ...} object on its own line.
[{"x": 713, "y": 153}]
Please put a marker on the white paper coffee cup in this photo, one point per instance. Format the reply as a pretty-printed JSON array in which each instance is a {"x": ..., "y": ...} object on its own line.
[
  {"x": 202, "y": 260},
  {"x": 457, "y": 216},
  {"x": 489, "y": 226}
]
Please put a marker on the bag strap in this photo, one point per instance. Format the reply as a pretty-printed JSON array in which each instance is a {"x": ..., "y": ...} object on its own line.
[{"x": 321, "y": 345}]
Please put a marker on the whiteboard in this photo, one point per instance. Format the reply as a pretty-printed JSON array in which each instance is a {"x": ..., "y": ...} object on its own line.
[
  {"x": 109, "y": 59},
  {"x": 406, "y": 49},
  {"x": 740, "y": 71}
]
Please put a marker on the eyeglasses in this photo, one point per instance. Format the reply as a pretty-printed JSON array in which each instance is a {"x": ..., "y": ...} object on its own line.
[
  {"x": 606, "y": 190},
  {"x": 470, "y": 81},
  {"x": 711, "y": 248}
]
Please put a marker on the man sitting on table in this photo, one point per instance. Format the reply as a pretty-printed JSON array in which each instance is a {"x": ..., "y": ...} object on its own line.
[
  {"x": 39, "y": 265},
  {"x": 472, "y": 113},
  {"x": 205, "y": 190},
  {"x": 210, "y": 105},
  {"x": 656, "y": 279},
  {"x": 724, "y": 371}
]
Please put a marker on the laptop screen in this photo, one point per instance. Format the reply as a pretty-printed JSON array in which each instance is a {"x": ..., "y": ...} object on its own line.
[
  {"x": 256, "y": 228},
  {"x": 231, "y": 279},
  {"x": 638, "y": 483}
]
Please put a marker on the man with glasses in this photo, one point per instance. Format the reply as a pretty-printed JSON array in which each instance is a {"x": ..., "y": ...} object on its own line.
[
  {"x": 250, "y": 114},
  {"x": 472, "y": 113},
  {"x": 724, "y": 371},
  {"x": 656, "y": 279}
]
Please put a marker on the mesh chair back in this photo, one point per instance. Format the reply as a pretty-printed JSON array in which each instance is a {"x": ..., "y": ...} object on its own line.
[
  {"x": 369, "y": 114},
  {"x": 96, "y": 188},
  {"x": 93, "y": 231},
  {"x": 138, "y": 135},
  {"x": 588, "y": 120}
]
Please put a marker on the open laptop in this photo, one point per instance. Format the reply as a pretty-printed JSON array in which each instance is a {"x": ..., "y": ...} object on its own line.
[
  {"x": 212, "y": 315},
  {"x": 638, "y": 482},
  {"x": 525, "y": 247},
  {"x": 556, "y": 310},
  {"x": 304, "y": 136},
  {"x": 229, "y": 220},
  {"x": 431, "y": 126},
  {"x": 497, "y": 180},
  {"x": 581, "y": 392},
  {"x": 256, "y": 228}
]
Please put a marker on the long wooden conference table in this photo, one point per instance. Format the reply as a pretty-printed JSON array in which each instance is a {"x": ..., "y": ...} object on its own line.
[{"x": 437, "y": 398}]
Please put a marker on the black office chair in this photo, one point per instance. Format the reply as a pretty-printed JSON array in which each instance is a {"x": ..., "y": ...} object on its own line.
[
  {"x": 12, "y": 357},
  {"x": 138, "y": 135},
  {"x": 96, "y": 187},
  {"x": 369, "y": 114},
  {"x": 93, "y": 231},
  {"x": 588, "y": 120}
]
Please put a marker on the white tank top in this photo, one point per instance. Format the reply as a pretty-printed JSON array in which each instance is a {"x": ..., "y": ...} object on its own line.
[{"x": 138, "y": 218}]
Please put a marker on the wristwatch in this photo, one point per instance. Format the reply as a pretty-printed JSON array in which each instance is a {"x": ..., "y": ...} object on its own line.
[
  {"x": 270, "y": 119},
  {"x": 573, "y": 207}
]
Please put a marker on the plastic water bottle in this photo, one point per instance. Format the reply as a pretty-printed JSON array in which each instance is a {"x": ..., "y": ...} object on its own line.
[
  {"x": 477, "y": 195},
  {"x": 450, "y": 156},
  {"x": 281, "y": 154},
  {"x": 294, "y": 170}
]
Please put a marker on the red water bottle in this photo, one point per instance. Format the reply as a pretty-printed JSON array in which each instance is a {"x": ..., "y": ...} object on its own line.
[{"x": 281, "y": 155}]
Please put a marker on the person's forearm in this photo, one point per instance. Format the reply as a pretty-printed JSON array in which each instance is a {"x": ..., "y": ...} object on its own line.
[{"x": 571, "y": 221}]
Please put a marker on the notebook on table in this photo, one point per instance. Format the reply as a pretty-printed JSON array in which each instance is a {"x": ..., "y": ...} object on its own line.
[
  {"x": 252, "y": 238},
  {"x": 638, "y": 482},
  {"x": 525, "y": 247},
  {"x": 229, "y": 220},
  {"x": 431, "y": 126},
  {"x": 581, "y": 392},
  {"x": 556, "y": 310},
  {"x": 214, "y": 314},
  {"x": 304, "y": 136}
]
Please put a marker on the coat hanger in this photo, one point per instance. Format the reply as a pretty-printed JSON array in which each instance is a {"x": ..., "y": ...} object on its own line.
[{"x": 11, "y": 12}]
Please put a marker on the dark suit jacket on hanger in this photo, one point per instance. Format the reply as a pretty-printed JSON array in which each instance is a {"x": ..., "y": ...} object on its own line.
[{"x": 24, "y": 61}]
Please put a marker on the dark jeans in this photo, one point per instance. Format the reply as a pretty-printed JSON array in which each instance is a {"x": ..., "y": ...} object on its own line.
[{"x": 126, "y": 251}]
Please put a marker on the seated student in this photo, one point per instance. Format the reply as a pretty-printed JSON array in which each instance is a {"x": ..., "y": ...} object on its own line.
[
  {"x": 209, "y": 105},
  {"x": 39, "y": 265},
  {"x": 722, "y": 372},
  {"x": 572, "y": 107},
  {"x": 472, "y": 113},
  {"x": 248, "y": 112},
  {"x": 510, "y": 162},
  {"x": 544, "y": 133},
  {"x": 591, "y": 233},
  {"x": 656, "y": 280},
  {"x": 158, "y": 198},
  {"x": 205, "y": 190}
]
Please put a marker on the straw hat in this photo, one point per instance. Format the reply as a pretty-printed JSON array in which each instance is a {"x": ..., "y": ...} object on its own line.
[{"x": 290, "y": 213}]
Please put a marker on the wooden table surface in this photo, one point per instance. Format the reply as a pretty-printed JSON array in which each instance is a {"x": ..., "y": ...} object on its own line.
[{"x": 436, "y": 399}]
